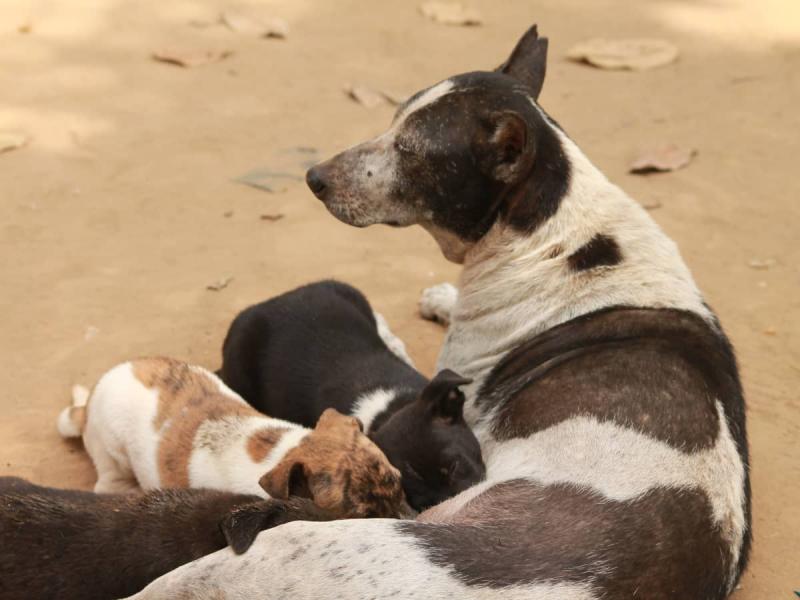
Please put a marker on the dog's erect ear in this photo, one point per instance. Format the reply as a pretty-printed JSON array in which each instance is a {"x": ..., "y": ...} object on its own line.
[
  {"x": 288, "y": 478},
  {"x": 442, "y": 396},
  {"x": 241, "y": 526},
  {"x": 503, "y": 146},
  {"x": 528, "y": 61}
]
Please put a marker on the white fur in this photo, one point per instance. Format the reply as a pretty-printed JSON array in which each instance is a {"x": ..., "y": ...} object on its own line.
[
  {"x": 67, "y": 427},
  {"x": 370, "y": 405},
  {"x": 394, "y": 343},
  {"x": 121, "y": 438},
  {"x": 437, "y": 302},
  {"x": 428, "y": 97},
  {"x": 220, "y": 459},
  {"x": 292, "y": 561}
]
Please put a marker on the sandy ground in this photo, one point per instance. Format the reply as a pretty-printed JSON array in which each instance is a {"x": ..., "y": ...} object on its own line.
[{"x": 113, "y": 219}]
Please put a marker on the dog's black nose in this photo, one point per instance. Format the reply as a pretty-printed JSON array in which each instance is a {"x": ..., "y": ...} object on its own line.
[{"x": 316, "y": 182}]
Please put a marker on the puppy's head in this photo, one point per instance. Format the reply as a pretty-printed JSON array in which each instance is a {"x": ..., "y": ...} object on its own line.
[
  {"x": 458, "y": 156},
  {"x": 433, "y": 446},
  {"x": 341, "y": 470}
]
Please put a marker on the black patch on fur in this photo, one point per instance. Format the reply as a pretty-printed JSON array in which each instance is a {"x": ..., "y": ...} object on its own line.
[
  {"x": 600, "y": 251},
  {"x": 661, "y": 546}
]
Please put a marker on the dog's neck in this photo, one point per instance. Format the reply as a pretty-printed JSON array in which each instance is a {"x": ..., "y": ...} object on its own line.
[{"x": 515, "y": 285}]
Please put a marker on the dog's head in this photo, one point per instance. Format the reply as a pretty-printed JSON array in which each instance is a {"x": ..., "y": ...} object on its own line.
[
  {"x": 432, "y": 445},
  {"x": 341, "y": 470},
  {"x": 458, "y": 156}
]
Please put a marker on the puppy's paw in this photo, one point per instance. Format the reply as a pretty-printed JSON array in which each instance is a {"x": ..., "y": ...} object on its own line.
[{"x": 437, "y": 302}]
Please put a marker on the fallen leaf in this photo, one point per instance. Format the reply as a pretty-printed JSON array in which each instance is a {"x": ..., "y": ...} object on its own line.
[
  {"x": 11, "y": 140},
  {"x": 365, "y": 96},
  {"x": 666, "y": 157},
  {"x": 220, "y": 284},
  {"x": 190, "y": 58},
  {"x": 227, "y": 214},
  {"x": 450, "y": 13},
  {"x": 761, "y": 265},
  {"x": 634, "y": 54},
  {"x": 771, "y": 331},
  {"x": 275, "y": 217},
  {"x": 370, "y": 97},
  {"x": 25, "y": 27},
  {"x": 651, "y": 204},
  {"x": 249, "y": 24},
  {"x": 286, "y": 166}
]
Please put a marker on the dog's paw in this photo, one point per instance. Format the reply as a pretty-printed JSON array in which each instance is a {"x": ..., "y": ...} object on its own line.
[{"x": 437, "y": 302}]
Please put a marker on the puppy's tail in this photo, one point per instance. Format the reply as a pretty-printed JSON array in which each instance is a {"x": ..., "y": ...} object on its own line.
[{"x": 72, "y": 419}]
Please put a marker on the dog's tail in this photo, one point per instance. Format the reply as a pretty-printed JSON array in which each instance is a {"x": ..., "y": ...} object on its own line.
[{"x": 72, "y": 419}]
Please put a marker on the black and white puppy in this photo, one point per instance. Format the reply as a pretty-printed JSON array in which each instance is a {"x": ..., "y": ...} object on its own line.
[
  {"x": 68, "y": 544},
  {"x": 606, "y": 396},
  {"x": 322, "y": 346}
]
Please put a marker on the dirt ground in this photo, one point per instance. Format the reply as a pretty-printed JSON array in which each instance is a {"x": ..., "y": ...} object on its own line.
[{"x": 122, "y": 208}]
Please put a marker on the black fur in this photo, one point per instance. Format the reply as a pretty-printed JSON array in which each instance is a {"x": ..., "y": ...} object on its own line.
[
  {"x": 68, "y": 544},
  {"x": 521, "y": 532},
  {"x": 318, "y": 347},
  {"x": 600, "y": 251}
]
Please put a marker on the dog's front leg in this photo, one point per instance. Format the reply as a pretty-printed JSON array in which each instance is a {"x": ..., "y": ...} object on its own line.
[{"x": 437, "y": 302}]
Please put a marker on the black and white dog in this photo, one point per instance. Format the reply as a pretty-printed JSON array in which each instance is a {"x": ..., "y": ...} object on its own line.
[
  {"x": 605, "y": 396},
  {"x": 321, "y": 346}
]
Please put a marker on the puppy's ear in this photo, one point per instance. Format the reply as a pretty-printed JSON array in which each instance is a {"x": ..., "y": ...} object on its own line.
[
  {"x": 241, "y": 526},
  {"x": 443, "y": 398},
  {"x": 528, "y": 61},
  {"x": 505, "y": 153},
  {"x": 288, "y": 478},
  {"x": 333, "y": 418}
]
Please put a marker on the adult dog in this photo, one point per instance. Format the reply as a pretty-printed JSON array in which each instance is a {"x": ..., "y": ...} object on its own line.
[{"x": 605, "y": 395}]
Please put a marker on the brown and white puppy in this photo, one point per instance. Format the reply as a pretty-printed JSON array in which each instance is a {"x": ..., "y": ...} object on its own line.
[
  {"x": 606, "y": 396},
  {"x": 64, "y": 544},
  {"x": 167, "y": 424}
]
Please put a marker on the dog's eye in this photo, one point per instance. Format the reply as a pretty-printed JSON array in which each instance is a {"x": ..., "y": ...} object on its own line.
[{"x": 402, "y": 147}]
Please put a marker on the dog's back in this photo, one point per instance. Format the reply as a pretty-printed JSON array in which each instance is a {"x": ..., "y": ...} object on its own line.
[{"x": 309, "y": 349}]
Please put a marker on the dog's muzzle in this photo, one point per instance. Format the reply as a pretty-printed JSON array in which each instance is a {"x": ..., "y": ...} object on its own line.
[{"x": 316, "y": 181}]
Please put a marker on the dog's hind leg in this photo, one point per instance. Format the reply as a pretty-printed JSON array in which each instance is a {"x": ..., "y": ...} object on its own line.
[
  {"x": 437, "y": 302},
  {"x": 394, "y": 343}
]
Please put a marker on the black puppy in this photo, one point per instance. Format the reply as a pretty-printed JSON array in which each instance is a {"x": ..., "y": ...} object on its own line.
[
  {"x": 69, "y": 544},
  {"x": 320, "y": 346}
]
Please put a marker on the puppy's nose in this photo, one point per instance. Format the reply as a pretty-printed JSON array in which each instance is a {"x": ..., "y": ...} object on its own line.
[{"x": 316, "y": 181}]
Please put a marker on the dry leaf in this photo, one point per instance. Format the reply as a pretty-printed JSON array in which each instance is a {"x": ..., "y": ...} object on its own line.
[
  {"x": 450, "y": 13},
  {"x": 761, "y": 265},
  {"x": 25, "y": 27},
  {"x": 191, "y": 58},
  {"x": 633, "y": 54},
  {"x": 651, "y": 204},
  {"x": 770, "y": 331},
  {"x": 11, "y": 140},
  {"x": 240, "y": 22},
  {"x": 227, "y": 214},
  {"x": 666, "y": 157},
  {"x": 370, "y": 98},
  {"x": 219, "y": 285},
  {"x": 275, "y": 217},
  {"x": 365, "y": 96}
]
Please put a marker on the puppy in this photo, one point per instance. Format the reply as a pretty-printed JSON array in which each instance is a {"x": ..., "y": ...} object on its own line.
[
  {"x": 166, "y": 424},
  {"x": 65, "y": 544},
  {"x": 322, "y": 346}
]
